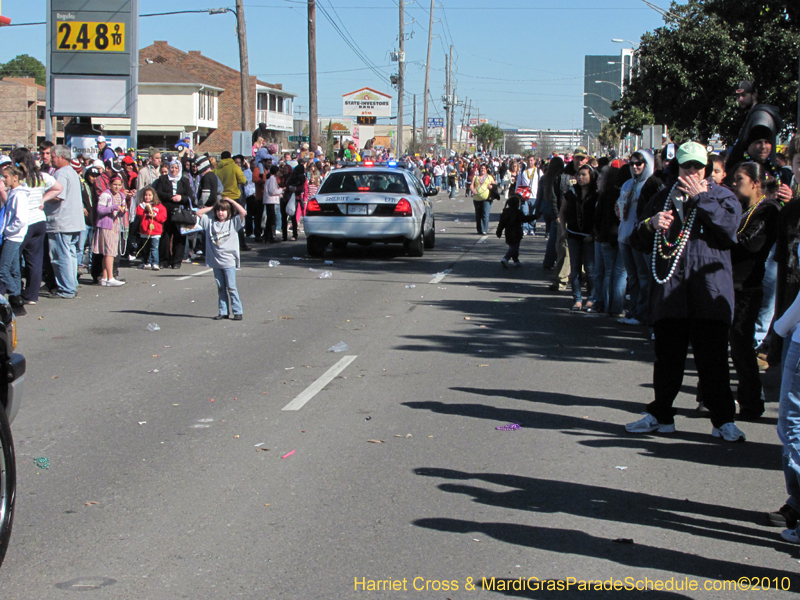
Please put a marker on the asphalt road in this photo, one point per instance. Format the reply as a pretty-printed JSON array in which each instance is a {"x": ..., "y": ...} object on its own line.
[{"x": 176, "y": 473}]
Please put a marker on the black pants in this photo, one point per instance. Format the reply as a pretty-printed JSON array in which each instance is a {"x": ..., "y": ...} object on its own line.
[
  {"x": 269, "y": 231},
  {"x": 32, "y": 253},
  {"x": 172, "y": 246},
  {"x": 285, "y": 218},
  {"x": 709, "y": 339},
  {"x": 743, "y": 352},
  {"x": 252, "y": 224},
  {"x": 96, "y": 269}
]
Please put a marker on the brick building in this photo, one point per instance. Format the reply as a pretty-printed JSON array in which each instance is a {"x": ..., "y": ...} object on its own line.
[
  {"x": 22, "y": 113},
  {"x": 270, "y": 104}
]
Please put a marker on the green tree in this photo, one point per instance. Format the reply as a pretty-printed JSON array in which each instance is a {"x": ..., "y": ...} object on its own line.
[
  {"x": 689, "y": 67},
  {"x": 487, "y": 135},
  {"x": 330, "y": 151},
  {"x": 24, "y": 66},
  {"x": 513, "y": 144},
  {"x": 610, "y": 135}
]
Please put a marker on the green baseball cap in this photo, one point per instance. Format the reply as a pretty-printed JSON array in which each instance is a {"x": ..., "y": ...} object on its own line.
[{"x": 692, "y": 151}]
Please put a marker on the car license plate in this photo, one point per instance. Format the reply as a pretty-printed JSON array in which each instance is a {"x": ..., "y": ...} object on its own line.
[{"x": 357, "y": 209}]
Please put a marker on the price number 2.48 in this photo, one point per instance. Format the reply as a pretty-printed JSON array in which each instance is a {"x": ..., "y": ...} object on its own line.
[{"x": 91, "y": 36}]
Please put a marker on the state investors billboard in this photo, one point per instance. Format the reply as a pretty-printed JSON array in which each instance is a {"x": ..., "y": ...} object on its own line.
[{"x": 366, "y": 102}]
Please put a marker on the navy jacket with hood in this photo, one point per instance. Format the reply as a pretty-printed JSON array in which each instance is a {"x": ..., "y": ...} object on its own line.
[{"x": 702, "y": 285}]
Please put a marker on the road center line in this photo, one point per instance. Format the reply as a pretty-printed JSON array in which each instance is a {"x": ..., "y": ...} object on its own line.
[
  {"x": 194, "y": 275},
  {"x": 441, "y": 276},
  {"x": 320, "y": 383}
]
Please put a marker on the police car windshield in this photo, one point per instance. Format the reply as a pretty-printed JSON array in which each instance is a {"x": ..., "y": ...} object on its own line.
[{"x": 353, "y": 182}]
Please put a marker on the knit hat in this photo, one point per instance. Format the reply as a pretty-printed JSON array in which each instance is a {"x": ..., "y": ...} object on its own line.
[
  {"x": 692, "y": 151},
  {"x": 272, "y": 148},
  {"x": 760, "y": 132},
  {"x": 76, "y": 164},
  {"x": 202, "y": 164},
  {"x": 98, "y": 164}
]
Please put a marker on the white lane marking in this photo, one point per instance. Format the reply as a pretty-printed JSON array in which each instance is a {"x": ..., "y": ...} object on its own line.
[
  {"x": 441, "y": 276},
  {"x": 320, "y": 383},
  {"x": 194, "y": 274},
  {"x": 483, "y": 239}
]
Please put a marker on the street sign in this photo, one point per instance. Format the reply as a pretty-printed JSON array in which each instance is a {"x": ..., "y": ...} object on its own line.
[
  {"x": 435, "y": 122},
  {"x": 299, "y": 138},
  {"x": 366, "y": 120},
  {"x": 91, "y": 56}
]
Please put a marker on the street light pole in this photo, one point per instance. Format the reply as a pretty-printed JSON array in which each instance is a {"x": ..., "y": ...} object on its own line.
[
  {"x": 247, "y": 118},
  {"x": 313, "y": 123}
]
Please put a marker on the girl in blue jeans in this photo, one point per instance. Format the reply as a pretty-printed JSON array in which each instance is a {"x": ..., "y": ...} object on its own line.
[
  {"x": 222, "y": 252},
  {"x": 789, "y": 414}
]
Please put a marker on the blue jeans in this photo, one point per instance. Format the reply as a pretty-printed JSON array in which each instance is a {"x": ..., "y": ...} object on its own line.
[
  {"x": 789, "y": 421},
  {"x": 527, "y": 209},
  {"x": 482, "y": 208},
  {"x": 581, "y": 254},
  {"x": 614, "y": 281},
  {"x": 64, "y": 258},
  {"x": 152, "y": 251},
  {"x": 86, "y": 234},
  {"x": 599, "y": 278},
  {"x": 437, "y": 181},
  {"x": 10, "y": 277},
  {"x": 638, "y": 268},
  {"x": 768, "y": 301},
  {"x": 513, "y": 252},
  {"x": 226, "y": 286}
]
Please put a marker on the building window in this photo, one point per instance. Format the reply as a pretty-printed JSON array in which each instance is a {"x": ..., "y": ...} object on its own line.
[
  {"x": 212, "y": 105},
  {"x": 201, "y": 106},
  {"x": 273, "y": 102}
]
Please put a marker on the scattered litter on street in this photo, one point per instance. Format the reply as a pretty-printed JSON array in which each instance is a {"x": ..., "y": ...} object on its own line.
[
  {"x": 340, "y": 347},
  {"x": 42, "y": 462},
  {"x": 467, "y": 318},
  {"x": 442, "y": 230},
  {"x": 287, "y": 318},
  {"x": 376, "y": 441},
  {"x": 142, "y": 422},
  {"x": 153, "y": 327},
  {"x": 475, "y": 540},
  {"x": 91, "y": 503},
  {"x": 410, "y": 286},
  {"x": 328, "y": 262},
  {"x": 621, "y": 468},
  {"x": 288, "y": 454},
  {"x": 623, "y": 541},
  {"x": 297, "y": 258},
  {"x": 153, "y": 371},
  {"x": 273, "y": 263},
  {"x": 325, "y": 275},
  {"x": 509, "y": 427},
  {"x": 288, "y": 368},
  {"x": 482, "y": 365},
  {"x": 368, "y": 419}
]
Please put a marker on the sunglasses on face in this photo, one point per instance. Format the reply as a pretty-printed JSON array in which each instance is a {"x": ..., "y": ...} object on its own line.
[
  {"x": 636, "y": 163},
  {"x": 693, "y": 164}
]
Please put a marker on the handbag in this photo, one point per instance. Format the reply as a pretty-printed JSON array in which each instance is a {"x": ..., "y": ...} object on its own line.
[
  {"x": 291, "y": 206},
  {"x": 523, "y": 191},
  {"x": 183, "y": 216}
]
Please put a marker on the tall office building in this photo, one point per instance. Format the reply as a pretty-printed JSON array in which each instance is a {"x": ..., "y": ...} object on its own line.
[{"x": 603, "y": 81}]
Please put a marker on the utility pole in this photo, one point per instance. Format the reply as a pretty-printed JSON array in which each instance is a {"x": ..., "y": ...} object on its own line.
[
  {"x": 450, "y": 102},
  {"x": 447, "y": 127},
  {"x": 247, "y": 118},
  {"x": 313, "y": 122},
  {"x": 414, "y": 128},
  {"x": 134, "y": 101},
  {"x": 400, "y": 62},
  {"x": 427, "y": 83},
  {"x": 461, "y": 131}
]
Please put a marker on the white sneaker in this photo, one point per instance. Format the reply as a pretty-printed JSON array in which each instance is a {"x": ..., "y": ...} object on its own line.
[
  {"x": 504, "y": 262},
  {"x": 156, "y": 267},
  {"x": 516, "y": 265},
  {"x": 146, "y": 266},
  {"x": 729, "y": 432},
  {"x": 113, "y": 282},
  {"x": 649, "y": 423},
  {"x": 103, "y": 282},
  {"x": 791, "y": 535}
]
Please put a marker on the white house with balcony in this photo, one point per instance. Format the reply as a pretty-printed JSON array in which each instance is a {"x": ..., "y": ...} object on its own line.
[
  {"x": 172, "y": 104},
  {"x": 275, "y": 108}
]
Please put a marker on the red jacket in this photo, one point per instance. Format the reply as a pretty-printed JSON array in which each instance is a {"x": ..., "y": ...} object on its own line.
[{"x": 157, "y": 221}]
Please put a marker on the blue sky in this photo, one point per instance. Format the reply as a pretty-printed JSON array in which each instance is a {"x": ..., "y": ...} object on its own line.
[{"x": 521, "y": 63}]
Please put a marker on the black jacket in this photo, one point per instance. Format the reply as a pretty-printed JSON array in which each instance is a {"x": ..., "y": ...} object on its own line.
[
  {"x": 511, "y": 220},
  {"x": 208, "y": 188},
  {"x": 760, "y": 114},
  {"x": 163, "y": 187},
  {"x": 750, "y": 253}
]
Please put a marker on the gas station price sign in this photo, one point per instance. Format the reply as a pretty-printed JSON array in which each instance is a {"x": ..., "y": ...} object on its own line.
[{"x": 91, "y": 36}]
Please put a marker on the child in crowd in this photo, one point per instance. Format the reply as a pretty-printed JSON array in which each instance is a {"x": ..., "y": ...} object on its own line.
[
  {"x": 152, "y": 216},
  {"x": 718, "y": 173},
  {"x": 14, "y": 226},
  {"x": 111, "y": 207},
  {"x": 511, "y": 220},
  {"x": 222, "y": 252}
]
